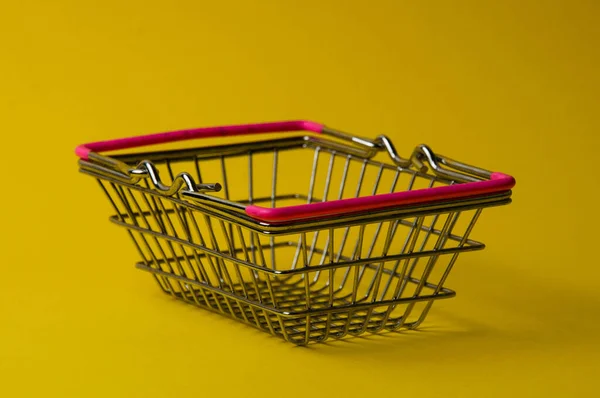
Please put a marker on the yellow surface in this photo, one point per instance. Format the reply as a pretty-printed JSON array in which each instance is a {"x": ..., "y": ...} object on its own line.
[{"x": 508, "y": 85}]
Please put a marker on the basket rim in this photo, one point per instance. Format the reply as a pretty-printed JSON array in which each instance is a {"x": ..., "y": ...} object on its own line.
[{"x": 472, "y": 181}]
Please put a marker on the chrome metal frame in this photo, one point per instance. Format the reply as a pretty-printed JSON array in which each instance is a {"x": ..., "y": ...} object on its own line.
[{"x": 306, "y": 280}]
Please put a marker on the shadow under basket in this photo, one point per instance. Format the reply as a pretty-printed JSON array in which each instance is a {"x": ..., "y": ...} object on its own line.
[{"x": 307, "y": 237}]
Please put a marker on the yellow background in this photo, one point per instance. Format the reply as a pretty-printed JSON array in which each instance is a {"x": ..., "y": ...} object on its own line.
[{"x": 508, "y": 85}]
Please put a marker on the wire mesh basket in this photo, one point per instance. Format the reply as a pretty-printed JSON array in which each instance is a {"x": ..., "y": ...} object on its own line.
[{"x": 308, "y": 237}]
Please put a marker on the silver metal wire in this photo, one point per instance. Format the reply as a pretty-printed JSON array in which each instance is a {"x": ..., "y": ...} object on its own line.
[{"x": 305, "y": 281}]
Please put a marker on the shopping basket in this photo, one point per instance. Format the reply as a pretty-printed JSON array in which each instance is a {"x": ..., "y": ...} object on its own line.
[{"x": 312, "y": 236}]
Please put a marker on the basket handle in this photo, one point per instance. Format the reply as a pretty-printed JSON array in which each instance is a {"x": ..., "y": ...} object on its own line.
[{"x": 84, "y": 150}]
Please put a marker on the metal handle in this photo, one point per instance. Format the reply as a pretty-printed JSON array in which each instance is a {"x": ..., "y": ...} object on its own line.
[{"x": 421, "y": 159}]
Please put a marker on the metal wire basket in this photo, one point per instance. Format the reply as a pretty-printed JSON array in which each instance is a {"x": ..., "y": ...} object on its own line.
[{"x": 322, "y": 235}]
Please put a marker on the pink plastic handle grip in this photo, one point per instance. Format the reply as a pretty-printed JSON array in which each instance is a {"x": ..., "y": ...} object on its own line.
[
  {"x": 84, "y": 150},
  {"x": 498, "y": 183}
]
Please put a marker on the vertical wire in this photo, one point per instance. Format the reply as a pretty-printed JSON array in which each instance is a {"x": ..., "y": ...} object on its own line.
[
  {"x": 325, "y": 196},
  {"x": 375, "y": 235},
  {"x": 450, "y": 266},
  {"x": 184, "y": 287},
  {"x": 273, "y": 196},
  {"x": 340, "y": 195},
  {"x": 311, "y": 185},
  {"x": 236, "y": 268},
  {"x": 413, "y": 237},
  {"x": 250, "y": 179},
  {"x": 135, "y": 242},
  {"x": 247, "y": 258},
  {"x": 446, "y": 229},
  {"x": 198, "y": 173},
  {"x": 219, "y": 268},
  {"x": 374, "y": 285},
  {"x": 305, "y": 277},
  {"x": 254, "y": 236},
  {"x": 330, "y": 284},
  {"x": 187, "y": 231},
  {"x": 167, "y": 264}
]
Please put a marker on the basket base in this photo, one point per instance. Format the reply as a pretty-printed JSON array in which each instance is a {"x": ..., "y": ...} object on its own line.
[{"x": 318, "y": 324}]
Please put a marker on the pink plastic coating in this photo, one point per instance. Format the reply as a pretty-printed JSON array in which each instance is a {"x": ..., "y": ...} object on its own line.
[
  {"x": 498, "y": 183},
  {"x": 205, "y": 132}
]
